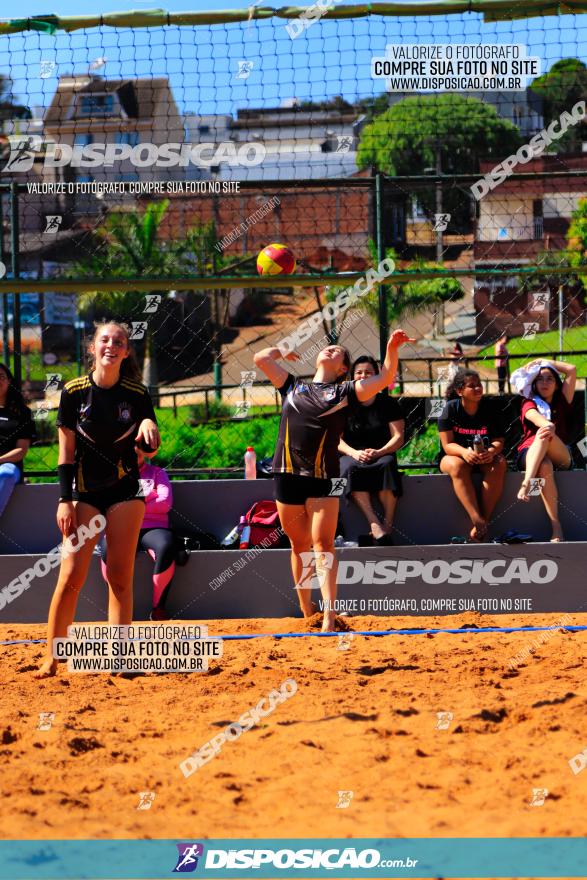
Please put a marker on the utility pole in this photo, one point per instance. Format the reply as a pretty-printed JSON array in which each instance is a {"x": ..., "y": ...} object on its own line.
[{"x": 439, "y": 319}]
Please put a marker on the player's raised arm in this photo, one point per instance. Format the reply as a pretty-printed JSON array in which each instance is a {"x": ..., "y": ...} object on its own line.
[
  {"x": 266, "y": 360},
  {"x": 367, "y": 388}
]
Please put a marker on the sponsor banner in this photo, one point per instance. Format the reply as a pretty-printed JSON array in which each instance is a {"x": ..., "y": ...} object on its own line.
[{"x": 305, "y": 858}]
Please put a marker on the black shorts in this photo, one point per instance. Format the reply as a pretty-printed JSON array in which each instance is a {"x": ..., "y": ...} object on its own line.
[
  {"x": 294, "y": 489},
  {"x": 125, "y": 490}
]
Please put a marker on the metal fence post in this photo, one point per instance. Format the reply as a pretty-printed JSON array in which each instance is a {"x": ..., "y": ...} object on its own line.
[
  {"x": 383, "y": 290},
  {"x": 15, "y": 260}
]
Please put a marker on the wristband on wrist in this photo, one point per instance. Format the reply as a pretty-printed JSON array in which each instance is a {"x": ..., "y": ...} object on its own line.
[{"x": 65, "y": 472}]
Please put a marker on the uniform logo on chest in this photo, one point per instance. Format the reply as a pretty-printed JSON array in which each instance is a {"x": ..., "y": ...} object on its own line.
[{"x": 124, "y": 412}]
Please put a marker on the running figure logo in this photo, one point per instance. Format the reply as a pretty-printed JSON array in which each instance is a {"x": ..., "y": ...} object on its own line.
[
  {"x": 139, "y": 328},
  {"x": 345, "y": 143},
  {"x": 539, "y": 795},
  {"x": 187, "y": 860},
  {"x": 315, "y": 565},
  {"x": 45, "y": 720},
  {"x": 344, "y": 799},
  {"x": 337, "y": 486},
  {"x": 443, "y": 720},
  {"x": 52, "y": 223},
  {"x": 244, "y": 69},
  {"x": 531, "y": 328},
  {"x": 441, "y": 222},
  {"x": 539, "y": 301},
  {"x": 146, "y": 799},
  {"x": 536, "y": 484},
  {"x": 152, "y": 303},
  {"x": 22, "y": 153}
]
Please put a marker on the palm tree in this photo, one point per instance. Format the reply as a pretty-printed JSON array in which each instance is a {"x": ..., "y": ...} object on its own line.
[{"x": 130, "y": 247}]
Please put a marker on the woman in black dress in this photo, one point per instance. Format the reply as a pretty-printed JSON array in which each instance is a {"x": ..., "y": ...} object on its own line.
[{"x": 373, "y": 434}]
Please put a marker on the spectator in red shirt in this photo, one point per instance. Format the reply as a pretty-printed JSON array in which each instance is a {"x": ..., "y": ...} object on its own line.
[{"x": 545, "y": 422}]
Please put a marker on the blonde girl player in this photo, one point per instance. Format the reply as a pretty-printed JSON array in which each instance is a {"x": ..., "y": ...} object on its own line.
[
  {"x": 306, "y": 460},
  {"x": 101, "y": 418}
]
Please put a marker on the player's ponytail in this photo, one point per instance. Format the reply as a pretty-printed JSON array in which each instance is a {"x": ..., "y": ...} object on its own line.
[{"x": 129, "y": 368}]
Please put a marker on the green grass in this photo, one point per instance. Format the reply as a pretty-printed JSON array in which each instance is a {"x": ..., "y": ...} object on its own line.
[
  {"x": 220, "y": 444},
  {"x": 574, "y": 339}
]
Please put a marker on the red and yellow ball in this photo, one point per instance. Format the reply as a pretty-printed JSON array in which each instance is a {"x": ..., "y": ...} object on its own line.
[{"x": 276, "y": 259}]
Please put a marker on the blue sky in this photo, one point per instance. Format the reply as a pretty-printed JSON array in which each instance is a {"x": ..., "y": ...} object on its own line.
[{"x": 330, "y": 58}]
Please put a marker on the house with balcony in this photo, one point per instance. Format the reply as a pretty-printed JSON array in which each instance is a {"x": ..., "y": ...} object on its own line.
[
  {"x": 89, "y": 109},
  {"x": 517, "y": 222}
]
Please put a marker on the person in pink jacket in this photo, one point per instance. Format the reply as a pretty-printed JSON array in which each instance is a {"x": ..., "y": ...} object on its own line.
[{"x": 155, "y": 536}]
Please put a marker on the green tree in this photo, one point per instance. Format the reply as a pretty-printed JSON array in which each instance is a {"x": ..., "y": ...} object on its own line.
[
  {"x": 560, "y": 89},
  {"x": 409, "y": 137},
  {"x": 406, "y": 299},
  {"x": 577, "y": 239},
  {"x": 130, "y": 246}
]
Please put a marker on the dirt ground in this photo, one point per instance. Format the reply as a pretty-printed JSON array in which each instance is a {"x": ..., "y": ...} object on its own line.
[{"x": 363, "y": 720}]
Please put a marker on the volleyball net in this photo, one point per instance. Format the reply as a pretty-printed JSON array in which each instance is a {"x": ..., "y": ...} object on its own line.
[{"x": 148, "y": 157}]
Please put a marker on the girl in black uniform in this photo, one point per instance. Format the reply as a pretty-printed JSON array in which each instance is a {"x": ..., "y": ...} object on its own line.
[
  {"x": 306, "y": 460},
  {"x": 101, "y": 418}
]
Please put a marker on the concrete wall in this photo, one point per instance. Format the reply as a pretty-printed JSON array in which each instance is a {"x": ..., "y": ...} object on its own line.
[
  {"x": 429, "y": 512},
  {"x": 217, "y": 584}
]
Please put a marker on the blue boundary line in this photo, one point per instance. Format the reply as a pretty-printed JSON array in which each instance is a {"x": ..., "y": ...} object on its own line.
[{"x": 377, "y": 632}]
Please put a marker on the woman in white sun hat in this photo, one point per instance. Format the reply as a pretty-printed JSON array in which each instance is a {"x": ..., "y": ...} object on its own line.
[{"x": 546, "y": 412}]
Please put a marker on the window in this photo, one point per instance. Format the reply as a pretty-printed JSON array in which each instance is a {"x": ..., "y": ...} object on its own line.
[
  {"x": 204, "y": 129},
  {"x": 96, "y": 105},
  {"x": 127, "y": 137}
]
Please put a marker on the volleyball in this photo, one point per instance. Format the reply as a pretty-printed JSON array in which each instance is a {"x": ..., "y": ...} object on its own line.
[{"x": 276, "y": 259}]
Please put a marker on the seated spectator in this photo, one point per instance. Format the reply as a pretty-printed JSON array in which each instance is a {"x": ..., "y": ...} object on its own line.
[
  {"x": 501, "y": 361},
  {"x": 545, "y": 416},
  {"x": 155, "y": 536},
  {"x": 467, "y": 415},
  {"x": 16, "y": 433},
  {"x": 374, "y": 431}
]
